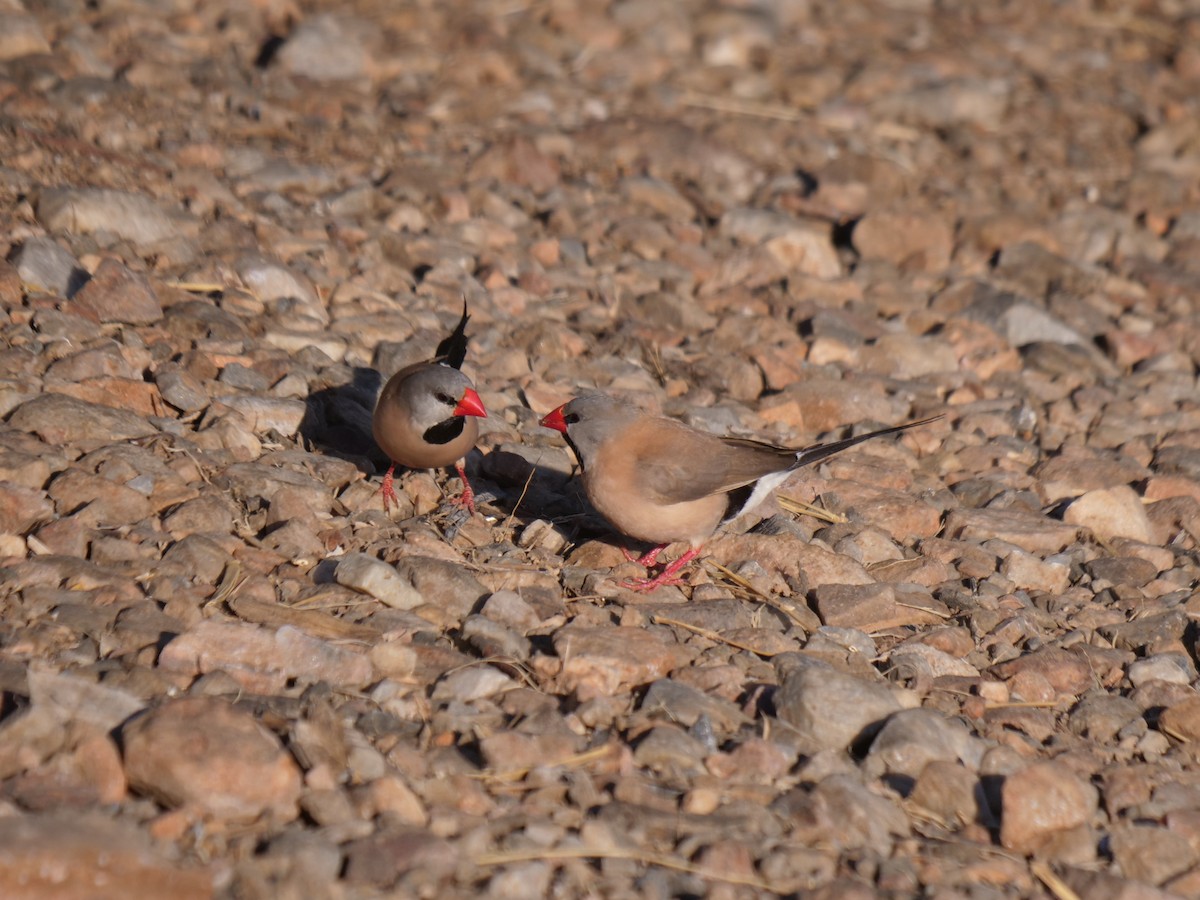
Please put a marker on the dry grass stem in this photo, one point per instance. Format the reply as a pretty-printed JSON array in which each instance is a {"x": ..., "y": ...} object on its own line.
[{"x": 800, "y": 508}]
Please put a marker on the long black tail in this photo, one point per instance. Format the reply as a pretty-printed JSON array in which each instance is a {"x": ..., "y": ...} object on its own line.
[
  {"x": 818, "y": 452},
  {"x": 453, "y": 349}
]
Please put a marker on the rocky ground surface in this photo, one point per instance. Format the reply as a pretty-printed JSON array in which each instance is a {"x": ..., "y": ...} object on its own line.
[{"x": 966, "y": 669}]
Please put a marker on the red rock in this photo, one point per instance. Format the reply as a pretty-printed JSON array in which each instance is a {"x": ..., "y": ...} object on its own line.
[
  {"x": 1163, "y": 487},
  {"x": 869, "y": 607},
  {"x": 1182, "y": 720},
  {"x": 1065, "y": 671},
  {"x": 791, "y": 557},
  {"x": 264, "y": 659},
  {"x": 917, "y": 241},
  {"x": 1111, "y": 513},
  {"x": 74, "y": 857},
  {"x": 22, "y": 508},
  {"x": 1029, "y": 531},
  {"x": 599, "y": 662},
  {"x": 204, "y": 753},
  {"x": 115, "y": 294},
  {"x": 58, "y": 419},
  {"x": 1042, "y": 801}
]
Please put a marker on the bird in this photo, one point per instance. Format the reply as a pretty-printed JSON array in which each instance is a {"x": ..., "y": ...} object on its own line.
[
  {"x": 660, "y": 481},
  {"x": 427, "y": 416}
]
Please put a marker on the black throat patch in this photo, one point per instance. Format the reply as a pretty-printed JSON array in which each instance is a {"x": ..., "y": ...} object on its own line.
[
  {"x": 575, "y": 450},
  {"x": 446, "y": 431}
]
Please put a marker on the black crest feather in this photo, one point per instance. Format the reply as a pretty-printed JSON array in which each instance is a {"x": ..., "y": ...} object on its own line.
[{"x": 453, "y": 349}]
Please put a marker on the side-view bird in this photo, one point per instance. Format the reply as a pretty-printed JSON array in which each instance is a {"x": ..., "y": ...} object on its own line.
[
  {"x": 660, "y": 481},
  {"x": 426, "y": 415}
]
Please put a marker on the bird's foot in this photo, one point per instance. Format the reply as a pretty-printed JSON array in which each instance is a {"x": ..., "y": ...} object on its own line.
[
  {"x": 668, "y": 576},
  {"x": 388, "y": 492},
  {"x": 647, "y": 559},
  {"x": 646, "y": 585},
  {"x": 466, "y": 499}
]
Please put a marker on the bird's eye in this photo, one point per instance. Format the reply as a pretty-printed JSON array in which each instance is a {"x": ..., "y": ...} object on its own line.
[
  {"x": 571, "y": 418},
  {"x": 444, "y": 398}
]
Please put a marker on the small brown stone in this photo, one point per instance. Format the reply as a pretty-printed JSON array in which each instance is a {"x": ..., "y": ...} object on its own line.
[
  {"x": 115, "y": 294},
  {"x": 1041, "y": 801},
  {"x": 598, "y": 662},
  {"x": 1063, "y": 670},
  {"x": 204, "y": 753},
  {"x": 67, "y": 856}
]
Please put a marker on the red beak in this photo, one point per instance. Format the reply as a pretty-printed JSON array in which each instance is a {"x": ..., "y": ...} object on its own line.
[
  {"x": 470, "y": 405},
  {"x": 555, "y": 420}
]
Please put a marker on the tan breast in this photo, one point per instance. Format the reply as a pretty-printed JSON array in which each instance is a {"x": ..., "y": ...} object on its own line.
[
  {"x": 616, "y": 485},
  {"x": 396, "y": 436}
]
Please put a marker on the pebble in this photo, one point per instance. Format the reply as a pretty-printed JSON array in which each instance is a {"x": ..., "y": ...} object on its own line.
[
  {"x": 851, "y": 816},
  {"x": 1112, "y": 513},
  {"x": 952, "y": 792},
  {"x": 328, "y": 48},
  {"x": 263, "y": 659},
  {"x": 1040, "y": 802},
  {"x": 22, "y": 35},
  {"x": 50, "y": 855},
  {"x": 266, "y": 414},
  {"x": 686, "y": 705},
  {"x": 1150, "y": 853},
  {"x": 115, "y": 294},
  {"x": 1031, "y": 532},
  {"x": 1175, "y": 668},
  {"x": 869, "y": 607},
  {"x": 377, "y": 579},
  {"x": 57, "y": 418},
  {"x": 46, "y": 265},
  {"x": 203, "y": 753},
  {"x": 475, "y": 683},
  {"x": 22, "y": 508},
  {"x": 273, "y": 283},
  {"x": 1028, "y": 573},
  {"x": 913, "y": 738},
  {"x": 830, "y": 710},
  {"x": 1064, "y": 671},
  {"x": 442, "y": 584},
  {"x": 906, "y": 239},
  {"x": 1182, "y": 719},
  {"x": 598, "y": 662},
  {"x": 381, "y": 859},
  {"x": 130, "y": 216}
]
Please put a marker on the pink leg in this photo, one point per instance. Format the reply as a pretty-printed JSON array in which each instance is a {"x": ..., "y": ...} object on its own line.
[
  {"x": 387, "y": 491},
  {"x": 665, "y": 577},
  {"x": 467, "y": 498},
  {"x": 648, "y": 558}
]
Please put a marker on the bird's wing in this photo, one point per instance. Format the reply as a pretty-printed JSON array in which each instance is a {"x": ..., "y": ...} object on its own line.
[{"x": 675, "y": 464}]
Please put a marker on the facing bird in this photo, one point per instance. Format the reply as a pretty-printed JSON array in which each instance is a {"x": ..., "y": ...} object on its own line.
[
  {"x": 660, "y": 481},
  {"x": 426, "y": 415}
]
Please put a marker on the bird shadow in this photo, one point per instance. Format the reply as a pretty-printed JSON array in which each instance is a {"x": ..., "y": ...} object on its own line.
[
  {"x": 337, "y": 420},
  {"x": 525, "y": 491}
]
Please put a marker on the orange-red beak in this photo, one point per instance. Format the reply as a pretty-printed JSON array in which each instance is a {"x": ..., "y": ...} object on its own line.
[
  {"x": 555, "y": 420},
  {"x": 470, "y": 405}
]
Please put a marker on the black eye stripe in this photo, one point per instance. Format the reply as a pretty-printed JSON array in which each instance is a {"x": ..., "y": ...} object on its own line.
[{"x": 571, "y": 418}]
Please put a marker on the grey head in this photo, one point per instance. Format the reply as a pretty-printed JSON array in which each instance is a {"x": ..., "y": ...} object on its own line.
[
  {"x": 432, "y": 394},
  {"x": 587, "y": 421}
]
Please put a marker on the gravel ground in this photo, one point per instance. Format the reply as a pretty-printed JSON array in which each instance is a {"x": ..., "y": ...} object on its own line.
[{"x": 956, "y": 664}]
